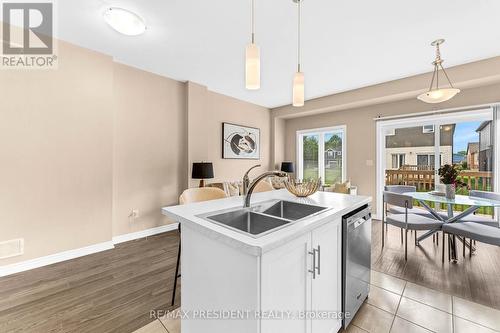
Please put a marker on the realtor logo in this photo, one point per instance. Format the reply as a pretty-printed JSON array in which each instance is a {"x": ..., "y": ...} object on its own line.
[{"x": 28, "y": 30}]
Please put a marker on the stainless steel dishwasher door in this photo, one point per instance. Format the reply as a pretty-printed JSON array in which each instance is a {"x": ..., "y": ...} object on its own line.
[{"x": 356, "y": 262}]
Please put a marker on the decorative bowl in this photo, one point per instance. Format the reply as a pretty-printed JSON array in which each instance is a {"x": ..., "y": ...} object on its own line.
[{"x": 302, "y": 189}]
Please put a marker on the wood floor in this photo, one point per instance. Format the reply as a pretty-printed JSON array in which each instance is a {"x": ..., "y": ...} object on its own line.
[
  {"x": 111, "y": 291},
  {"x": 476, "y": 279},
  {"x": 115, "y": 290}
]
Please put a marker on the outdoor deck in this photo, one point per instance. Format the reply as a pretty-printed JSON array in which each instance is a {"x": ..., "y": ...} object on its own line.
[{"x": 423, "y": 180}]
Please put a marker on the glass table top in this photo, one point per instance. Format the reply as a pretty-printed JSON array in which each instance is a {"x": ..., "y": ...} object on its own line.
[{"x": 459, "y": 199}]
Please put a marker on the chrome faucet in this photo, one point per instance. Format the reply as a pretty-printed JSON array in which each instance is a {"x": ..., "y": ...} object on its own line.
[
  {"x": 246, "y": 179},
  {"x": 248, "y": 195}
]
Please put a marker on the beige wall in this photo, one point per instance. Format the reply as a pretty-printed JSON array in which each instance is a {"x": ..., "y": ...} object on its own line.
[
  {"x": 206, "y": 112},
  {"x": 361, "y": 139},
  {"x": 278, "y": 126},
  {"x": 84, "y": 145},
  {"x": 56, "y": 134},
  {"x": 149, "y": 160}
]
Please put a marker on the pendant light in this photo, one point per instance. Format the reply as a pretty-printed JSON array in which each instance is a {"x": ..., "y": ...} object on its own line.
[
  {"x": 436, "y": 94},
  {"x": 298, "y": 78},
  {"x": 252, "y": 59}
]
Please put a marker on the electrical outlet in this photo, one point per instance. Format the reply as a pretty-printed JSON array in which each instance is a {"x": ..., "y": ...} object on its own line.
[{"x": 134, "y": 213}]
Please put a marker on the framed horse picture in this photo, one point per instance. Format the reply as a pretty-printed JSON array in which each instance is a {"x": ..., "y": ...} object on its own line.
[{"x": 240, "y": 142}]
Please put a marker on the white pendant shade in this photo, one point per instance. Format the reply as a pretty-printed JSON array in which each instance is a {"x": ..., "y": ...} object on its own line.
[
  {"x": 252, "y": 67},
  {"x": 438, "y": 95},
  {"x": 435, "y": 93},
  {"x": 298, "y": 89}
]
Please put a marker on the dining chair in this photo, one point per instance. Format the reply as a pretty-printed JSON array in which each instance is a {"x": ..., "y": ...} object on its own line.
[
  {"x": 405, "y": 189},
  {"x": 476, "y": 228},
  {"x": 474, "y": 231},
  {"x": 198, "y": 194},
  {"x": 192, "y": 195},
  {"x": 263, "y": 186},
  {"x": 485, "y": 220},
  {"x": 406, "y": 221},
  {"x": 401, "y": 189}
]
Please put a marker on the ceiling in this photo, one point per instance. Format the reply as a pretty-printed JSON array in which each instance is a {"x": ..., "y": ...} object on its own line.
[{"x": 347, "y": 44}]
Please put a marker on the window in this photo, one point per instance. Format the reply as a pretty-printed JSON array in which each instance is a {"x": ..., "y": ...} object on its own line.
[
  {"x": 321, "y": 154},
  {"x": 398, "y": 160},
  {"x": 423, "y": 160},
  {"x": 428, "y": 129}
]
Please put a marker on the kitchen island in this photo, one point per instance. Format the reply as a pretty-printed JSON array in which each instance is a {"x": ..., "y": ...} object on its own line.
[{"x": 273, "y": 267}]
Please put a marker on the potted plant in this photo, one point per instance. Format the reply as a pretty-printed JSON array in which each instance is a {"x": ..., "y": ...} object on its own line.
[{"x": 448, "y": 175}]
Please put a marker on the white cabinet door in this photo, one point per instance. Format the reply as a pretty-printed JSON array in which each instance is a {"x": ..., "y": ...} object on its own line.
[
  {"x": 326, "y": 287},
  {"x": 286, "y": 286}
]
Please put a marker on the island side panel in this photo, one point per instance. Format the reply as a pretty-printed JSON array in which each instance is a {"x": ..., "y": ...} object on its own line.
[{"x": 217, "y": 277}]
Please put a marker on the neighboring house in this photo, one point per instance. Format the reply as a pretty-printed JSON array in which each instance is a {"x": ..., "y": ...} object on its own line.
[
  {"x": 414, "y": 146},
  {"x": 473, "y": 155},
  {"x": 333, "y": 157},
  {"x": 485, "y": 157}
]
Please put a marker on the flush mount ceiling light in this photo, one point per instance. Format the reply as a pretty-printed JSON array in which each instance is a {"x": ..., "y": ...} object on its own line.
[
  {"x": 298, "y": 78},
  {"x": 252, "y": 59},
  {"x": 436, "y": 94},
  {"x": 124, "y": 21}
]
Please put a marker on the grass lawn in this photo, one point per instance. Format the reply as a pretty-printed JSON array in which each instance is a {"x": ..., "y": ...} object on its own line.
[{"x": 332, "y": 176}]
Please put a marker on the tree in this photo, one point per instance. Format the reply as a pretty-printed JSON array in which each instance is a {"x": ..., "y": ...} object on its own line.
[
  {"x": 335, "y": 142},
  {"x": 310, "y": 148}
]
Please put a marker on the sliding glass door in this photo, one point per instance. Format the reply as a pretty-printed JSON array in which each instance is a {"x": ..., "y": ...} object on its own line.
[
  {"x": 321, "y": 154},
  {"x": 412, "y": 150}
]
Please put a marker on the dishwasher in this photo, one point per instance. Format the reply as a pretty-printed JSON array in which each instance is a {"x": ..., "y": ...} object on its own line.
[{"x": 356, "y": 261}]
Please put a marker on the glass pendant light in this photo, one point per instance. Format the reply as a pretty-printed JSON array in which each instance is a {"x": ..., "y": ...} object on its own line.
[
  {"x": 252, "y": 60},
  {"x": 436, "y": 94},
  {"x": 298, "y": 78},
  {"x": 124, "y": 21}
]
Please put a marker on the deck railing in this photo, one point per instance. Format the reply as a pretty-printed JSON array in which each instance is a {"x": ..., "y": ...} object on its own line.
[{"x": 424, "y": 179}]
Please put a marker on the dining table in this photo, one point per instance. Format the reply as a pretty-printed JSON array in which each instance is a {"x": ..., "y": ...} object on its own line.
[{"x": 451, "y": 216}]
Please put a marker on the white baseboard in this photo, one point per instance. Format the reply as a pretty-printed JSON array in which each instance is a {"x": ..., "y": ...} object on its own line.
[
  {"x": 144, "y": 233},
  {"x": 83, "y": 251},
  {"x": 54, "y": 258}
]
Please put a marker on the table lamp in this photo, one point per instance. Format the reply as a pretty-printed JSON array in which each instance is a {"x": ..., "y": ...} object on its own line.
[
  {"x": 202, "y": 171},
  {"x": 287, "y": 167}
]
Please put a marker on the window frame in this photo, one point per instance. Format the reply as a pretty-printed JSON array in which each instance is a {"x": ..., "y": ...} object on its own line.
[{"x": 321, "y": 150}]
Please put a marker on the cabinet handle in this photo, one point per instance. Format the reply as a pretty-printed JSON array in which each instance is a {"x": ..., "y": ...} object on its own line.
[
  {"x": 313, "y": 271},
  {"x": 319, "y": 260}
]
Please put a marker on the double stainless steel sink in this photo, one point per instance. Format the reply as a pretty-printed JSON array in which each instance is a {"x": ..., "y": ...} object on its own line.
[{"x": 264, "y": 217}]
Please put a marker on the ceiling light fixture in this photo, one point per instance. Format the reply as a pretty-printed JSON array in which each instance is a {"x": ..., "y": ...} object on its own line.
[
  {"x": 298, "y": 78},
  {"x": 436, "y": 94},
  {"x": 252, "y": 59},
  {"x": 124, "y": 21}
]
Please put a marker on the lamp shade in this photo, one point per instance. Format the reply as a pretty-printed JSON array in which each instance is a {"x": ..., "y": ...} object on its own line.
[
  {"x": 202, "y": 170},
  {"x": 252, "y": 67},
  {"x": 287, "y": 167},
  {"x": 298, "y": 89},
  {"x": 438, "y": 95}
]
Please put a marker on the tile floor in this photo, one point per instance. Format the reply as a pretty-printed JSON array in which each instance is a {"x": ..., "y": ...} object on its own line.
[{"x": 395, "y": 305}]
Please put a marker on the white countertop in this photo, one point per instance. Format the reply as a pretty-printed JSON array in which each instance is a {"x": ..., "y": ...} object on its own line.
[{"x": 339, "y": 204}]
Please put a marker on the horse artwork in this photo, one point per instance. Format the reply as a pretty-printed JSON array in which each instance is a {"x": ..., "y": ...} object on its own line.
[{"x": 240, "y": 142}]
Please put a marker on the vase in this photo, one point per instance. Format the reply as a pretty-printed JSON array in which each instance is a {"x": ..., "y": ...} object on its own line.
[{"x": 450, "y": 191}]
